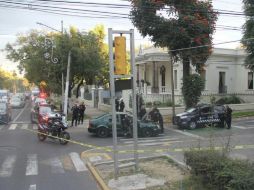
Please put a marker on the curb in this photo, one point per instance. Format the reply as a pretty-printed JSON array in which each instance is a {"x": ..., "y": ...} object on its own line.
[
  {"x": 97, "y": 177},
  {"x": 242, "y": 118}
]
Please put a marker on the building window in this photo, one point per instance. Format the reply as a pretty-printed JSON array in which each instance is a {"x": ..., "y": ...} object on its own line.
[
  {"x": 250, "y": 80},
  {"x": 175, "y": 79}
]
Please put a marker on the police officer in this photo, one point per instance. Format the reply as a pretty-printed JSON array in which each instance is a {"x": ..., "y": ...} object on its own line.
[
  {"x": 75, "y": 114},
  {"x": 142, "y": 112},
  {"x": 157, "y": 117},
  {"x": 121, "y": 105},
  {"x": 82, "y": 109},
  {"x": 228, "y": 117}
]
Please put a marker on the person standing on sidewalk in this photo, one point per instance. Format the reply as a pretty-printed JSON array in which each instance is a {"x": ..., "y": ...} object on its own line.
[
  {"x": 82, "y": 109},
  {"x": 228, "y": 117},
  {"x": 75, "y": 114}
]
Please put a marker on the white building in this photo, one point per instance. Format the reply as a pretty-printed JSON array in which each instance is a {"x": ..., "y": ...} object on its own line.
[{"x": 224, "y": 74}]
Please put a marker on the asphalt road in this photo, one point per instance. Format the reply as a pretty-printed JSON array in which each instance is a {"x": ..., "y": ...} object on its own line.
[{"x": 28, "y": 164}]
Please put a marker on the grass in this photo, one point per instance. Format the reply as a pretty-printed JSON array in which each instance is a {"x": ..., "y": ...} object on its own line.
[{"x": 242, "y": 114}]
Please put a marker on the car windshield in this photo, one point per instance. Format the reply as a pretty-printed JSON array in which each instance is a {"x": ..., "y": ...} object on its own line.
[
  {"x": 15, "y": 100},
  {"x": 45, "y": 110},
  {"x": 191, "y": 110}
]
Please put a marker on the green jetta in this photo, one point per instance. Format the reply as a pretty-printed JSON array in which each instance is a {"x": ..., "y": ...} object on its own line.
[{"x": 102, "y": 126}]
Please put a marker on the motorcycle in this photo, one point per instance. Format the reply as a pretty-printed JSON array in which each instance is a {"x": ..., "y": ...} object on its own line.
[{"x": 54, "y": 127}]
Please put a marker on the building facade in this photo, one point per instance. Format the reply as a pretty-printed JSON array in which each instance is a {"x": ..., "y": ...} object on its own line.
[{"x": 224, "y": 74}]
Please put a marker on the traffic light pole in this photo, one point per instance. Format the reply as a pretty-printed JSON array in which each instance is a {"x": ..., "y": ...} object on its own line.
[{"x": 114, "y": 76}]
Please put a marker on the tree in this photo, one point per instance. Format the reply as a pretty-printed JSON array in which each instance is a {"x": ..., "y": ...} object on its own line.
[
  {"x": 189, "y": 23},
  {"x": 248, "y": 33},
  {"x": 29, "y": 51}
]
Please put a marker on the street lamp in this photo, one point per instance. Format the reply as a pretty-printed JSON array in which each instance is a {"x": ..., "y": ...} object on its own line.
[{"x": 52, "y": 60}]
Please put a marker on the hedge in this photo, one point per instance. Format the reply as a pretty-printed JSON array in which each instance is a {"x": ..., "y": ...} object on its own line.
[{"x": 220, "y": 172}]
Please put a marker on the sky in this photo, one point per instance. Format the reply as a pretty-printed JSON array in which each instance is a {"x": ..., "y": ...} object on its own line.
[{"x": 14, "y": 21}]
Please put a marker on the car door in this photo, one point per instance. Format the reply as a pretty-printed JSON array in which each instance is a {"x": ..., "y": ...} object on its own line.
[{"x": 205, "y": 114}]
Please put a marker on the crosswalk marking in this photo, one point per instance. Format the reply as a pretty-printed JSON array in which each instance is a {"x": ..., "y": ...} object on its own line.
[
  {"x": 24, "y": 126},
  {"x": 32, "y": 164},
  {"x": 77, "y": 162},
  {"x": 32, "y": 187},
  {"x": 56, "y": 166},
  {"x": 7, "y": 166},
  {"x": 154, "y": 139},
  {"x": 13, "y": 127}
]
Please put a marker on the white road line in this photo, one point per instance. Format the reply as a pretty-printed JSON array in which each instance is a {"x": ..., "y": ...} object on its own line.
[
  {"x": 146, "y": 138},
  {"x": 13, "y": 126},
  {"x": 20, "y": 114},
  {"x": 77, "y": 162},
  {"x": 187, "y": 134},
  {"x": 32, "y": 165},
  {"x": 56, "y": 166},
  {"x": 32, "y": 187},
  {"x": 7, "y": 166},
  {"x": 24, "y": 126},
  {"x": 35, "y": 127},
  {"x": 240, "y": 127},
  {"x": 152, "y": 140}
]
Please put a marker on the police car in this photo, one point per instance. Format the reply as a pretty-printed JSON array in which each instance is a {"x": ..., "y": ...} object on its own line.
[{"x": 200, "y": 116}]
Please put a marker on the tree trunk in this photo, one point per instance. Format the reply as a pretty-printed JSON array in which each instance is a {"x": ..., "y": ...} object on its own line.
[
  {"x": 186, "y": 66},
  {"x": 78, "y": 87}
]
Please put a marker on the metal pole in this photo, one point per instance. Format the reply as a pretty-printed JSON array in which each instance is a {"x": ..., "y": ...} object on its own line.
[
  {"x": 112, "y": 91},
  {"x": 67, "y": 84},
  {"x": 172, "y": 86},
  {"x": 134, "y": 100},
  {"x": 62, "y": 72}
]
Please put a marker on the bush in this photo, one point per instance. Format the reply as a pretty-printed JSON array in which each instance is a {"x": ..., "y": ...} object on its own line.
[
  {"x": 229, "y": 100},
  {"x": 220, "y": 172}
]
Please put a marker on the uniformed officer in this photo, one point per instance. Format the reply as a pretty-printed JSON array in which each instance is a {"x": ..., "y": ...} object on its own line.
[
  {"x": 228, "y": 118},
  {"x": 75, "y": 114},
  {"x": 157, "y": 117}
]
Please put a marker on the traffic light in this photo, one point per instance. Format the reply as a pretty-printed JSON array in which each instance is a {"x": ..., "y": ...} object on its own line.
[{"x": 121, "y": 66}]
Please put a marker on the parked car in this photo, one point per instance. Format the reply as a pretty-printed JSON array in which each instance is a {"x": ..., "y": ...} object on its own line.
[
  {"x": 5, "y": 112},
  {"x": 201, "y": 115},
  {"x": 102, "y": 126},
  {"x": 39, "y": 112},
  {"x": 17, "y": 102}
]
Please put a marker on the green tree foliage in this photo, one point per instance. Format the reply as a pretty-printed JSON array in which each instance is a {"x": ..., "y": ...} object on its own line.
[
  {"x": 189, "y": 23},
  {"x": 86, "y": 60},
  {"x": 248, "y": 33},
  {"x": 192, "y": 89}
]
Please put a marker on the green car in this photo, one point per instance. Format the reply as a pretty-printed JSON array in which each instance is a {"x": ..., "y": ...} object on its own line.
[{"x": 102, "y": 126}]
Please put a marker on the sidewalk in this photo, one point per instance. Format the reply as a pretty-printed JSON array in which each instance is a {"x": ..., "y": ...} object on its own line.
[{"x": 93, "y": 112}]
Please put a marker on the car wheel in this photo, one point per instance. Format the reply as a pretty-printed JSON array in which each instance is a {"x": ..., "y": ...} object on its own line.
[
  {"x": 147, "y": 133},
  {"x": 192, "y": 125},
  {"x": 102, "y": 132}
]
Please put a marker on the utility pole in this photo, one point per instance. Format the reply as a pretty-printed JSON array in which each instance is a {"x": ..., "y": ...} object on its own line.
[
  {"x": 67, "y": 84},
  {"x": 172, "y": 86}
]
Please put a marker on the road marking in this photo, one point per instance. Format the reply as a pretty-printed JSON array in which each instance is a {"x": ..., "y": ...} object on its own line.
[
  {"x": 56, "y": 166},
  {"x": 240, "y": 127},
  {"x": 147, "y": 138},
  {"x": 13, "y": 127},
  {"x": 19, "y": 114},
  {"x": 187, "y": 134},
  {"x": 32, "y": 187},
  {"x": 95, "y": 158},
  {"x": 32, "y": 165},
  {"x": 24, "y": 126},
  {"x": 77, "y": 162},
  {"x": 7, "y": 166},
  {"x": 152, "y": 140},
  {"x": 35, "y": 127}
]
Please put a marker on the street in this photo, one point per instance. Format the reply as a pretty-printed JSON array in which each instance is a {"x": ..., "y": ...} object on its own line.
[{"x": 26, "y": 163}]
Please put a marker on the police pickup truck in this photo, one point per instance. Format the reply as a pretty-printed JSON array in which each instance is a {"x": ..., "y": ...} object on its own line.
[{"x": 200, "y": 116}]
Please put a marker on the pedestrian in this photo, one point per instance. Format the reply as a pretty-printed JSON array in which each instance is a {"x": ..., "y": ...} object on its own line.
[
  {"x": 228, "y": 117},
  {"x": 121, "y": 105},
  {"x": 82, "y": 109},
  {"x": 142, "y": 112},
  {"x": 75, "y": 114},
  {"x": 117, "y": 104}
]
